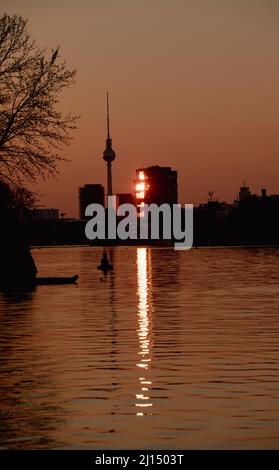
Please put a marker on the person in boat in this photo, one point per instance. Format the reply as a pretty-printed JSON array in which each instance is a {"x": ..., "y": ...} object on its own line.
[{"x": 105, "y": 265}]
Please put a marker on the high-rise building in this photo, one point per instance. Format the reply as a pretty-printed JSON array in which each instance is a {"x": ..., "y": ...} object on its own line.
[
  {"x": 90, "y": 194},
  {"x": 244, "y": 192},
  {"x": 157, "y": 185},
  {"x": 109, "y": 154}
]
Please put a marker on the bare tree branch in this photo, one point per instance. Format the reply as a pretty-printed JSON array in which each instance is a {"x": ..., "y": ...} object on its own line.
[{"x": 32, "y": 129}]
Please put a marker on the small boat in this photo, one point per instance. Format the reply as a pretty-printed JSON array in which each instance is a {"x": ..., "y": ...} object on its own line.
[
  {"x": 43, "y": 281},
  {"x": 105, "y": 265}
]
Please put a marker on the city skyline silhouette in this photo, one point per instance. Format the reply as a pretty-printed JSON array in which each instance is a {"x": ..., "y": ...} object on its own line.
[{"x": 193, "y": 85}]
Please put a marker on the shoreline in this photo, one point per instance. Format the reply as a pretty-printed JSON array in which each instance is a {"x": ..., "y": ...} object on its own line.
[{"x": 32, "y": 247}]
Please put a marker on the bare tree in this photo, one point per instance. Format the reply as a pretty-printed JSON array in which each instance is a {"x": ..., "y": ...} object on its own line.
[
  {"x": 32, "y": 129},
  {"x": 15, "y": 199}
]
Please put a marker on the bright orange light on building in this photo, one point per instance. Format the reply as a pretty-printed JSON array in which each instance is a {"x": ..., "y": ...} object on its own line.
[
  {"x": 140, "y": 207},
  {"x": 140, "y": 187},
  {"x": 141, "y": 175},
  {"x": 140, "y": 195}
]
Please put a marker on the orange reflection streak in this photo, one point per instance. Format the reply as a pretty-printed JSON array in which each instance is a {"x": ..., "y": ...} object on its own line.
[{"x": 144, "y": 330}]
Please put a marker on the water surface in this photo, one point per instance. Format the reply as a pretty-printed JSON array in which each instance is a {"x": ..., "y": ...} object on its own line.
[{"x": 173, "y": 349}]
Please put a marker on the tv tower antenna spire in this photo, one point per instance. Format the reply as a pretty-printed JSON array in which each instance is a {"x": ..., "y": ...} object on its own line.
[{"x": 108, "y": 115}]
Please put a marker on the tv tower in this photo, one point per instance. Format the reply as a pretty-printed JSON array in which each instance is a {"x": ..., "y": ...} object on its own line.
[{"x": 109, "y": 154}]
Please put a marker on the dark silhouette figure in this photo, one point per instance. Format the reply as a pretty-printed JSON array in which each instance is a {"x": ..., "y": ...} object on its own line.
[
  {"x": 17, "y": 267},
  {"x": 105, "y": 265}
]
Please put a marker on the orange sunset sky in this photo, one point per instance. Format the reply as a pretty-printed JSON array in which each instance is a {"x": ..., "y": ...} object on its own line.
[{"x": 193, "y": 84}]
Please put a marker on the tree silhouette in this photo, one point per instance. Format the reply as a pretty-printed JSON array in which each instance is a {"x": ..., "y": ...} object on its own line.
[{"x": 32, "y": 128}]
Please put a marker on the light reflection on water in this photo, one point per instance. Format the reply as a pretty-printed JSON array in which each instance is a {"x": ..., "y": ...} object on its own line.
[
  {"x": 170, "y": 350},
  {"x": 144, "y": 329}
]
